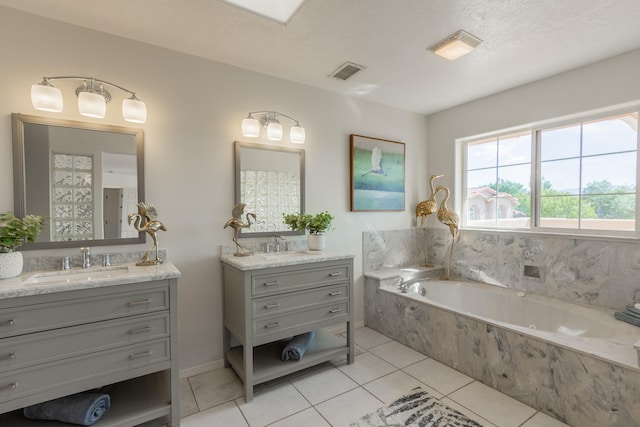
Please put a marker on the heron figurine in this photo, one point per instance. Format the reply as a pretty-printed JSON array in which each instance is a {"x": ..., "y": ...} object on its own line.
[
  {"x": 426, "y": 208},
  {"x": 376, "y": 163},
  {"x": 237, "y": 224},
  {"x": 151, "y": 226},
  {"x": 429, "y": 206},
  {"x": 450, "y": 219}
]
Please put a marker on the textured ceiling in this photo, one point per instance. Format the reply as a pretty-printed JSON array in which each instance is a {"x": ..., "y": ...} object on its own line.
[{"x": 523, "y": 40}]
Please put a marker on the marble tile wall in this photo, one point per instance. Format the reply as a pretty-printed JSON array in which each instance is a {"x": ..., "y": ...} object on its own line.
[
  {"x": 590, "y": 271},
  {"x": 34, "y": 262}
]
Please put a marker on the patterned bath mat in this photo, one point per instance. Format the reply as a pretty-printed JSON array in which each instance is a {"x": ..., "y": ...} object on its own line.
[{"x": 418, "y": 408}]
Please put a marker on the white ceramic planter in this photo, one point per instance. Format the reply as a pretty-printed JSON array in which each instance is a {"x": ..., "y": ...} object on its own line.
[
  {"x": 316, "y": 242},
  {"x": 10, "y": 264}
]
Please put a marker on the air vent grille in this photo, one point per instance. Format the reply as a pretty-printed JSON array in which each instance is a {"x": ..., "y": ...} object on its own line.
[{"x": 346, "y": 70}]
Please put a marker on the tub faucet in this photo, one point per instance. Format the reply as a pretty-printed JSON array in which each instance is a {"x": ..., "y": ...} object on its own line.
[
  {"x": 404, "y": 284},
  {"x": 85, "y": 253}
]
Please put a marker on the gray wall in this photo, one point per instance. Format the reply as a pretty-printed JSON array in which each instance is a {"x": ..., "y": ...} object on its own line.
[{"x": 195, "y": 109}]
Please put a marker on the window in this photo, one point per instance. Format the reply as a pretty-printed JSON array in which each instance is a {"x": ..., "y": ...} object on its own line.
[{"x": 577, "y": 177}]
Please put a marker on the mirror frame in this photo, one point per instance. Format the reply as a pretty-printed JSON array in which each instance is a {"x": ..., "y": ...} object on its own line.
[
  {"x": 19, "y": 179},
  {"x": 238, "y": 159}
]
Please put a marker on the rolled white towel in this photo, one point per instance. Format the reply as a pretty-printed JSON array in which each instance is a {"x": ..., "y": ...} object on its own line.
[{"x": 637, "y": 305}]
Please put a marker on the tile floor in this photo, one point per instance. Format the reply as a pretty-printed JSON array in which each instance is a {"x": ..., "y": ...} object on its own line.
[{"x": 335, "y": 394}]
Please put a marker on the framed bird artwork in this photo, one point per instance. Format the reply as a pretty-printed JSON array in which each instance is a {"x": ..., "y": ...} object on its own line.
[{"x": 377, "y": 174}]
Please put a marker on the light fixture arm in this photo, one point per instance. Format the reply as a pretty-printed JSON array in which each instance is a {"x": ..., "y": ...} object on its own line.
[
  {"x": 276, "y": 114},
  {"x": 45, "y": 81},
  {"x": 92, "y": 98},
  {"x": 269, "y": 121}
]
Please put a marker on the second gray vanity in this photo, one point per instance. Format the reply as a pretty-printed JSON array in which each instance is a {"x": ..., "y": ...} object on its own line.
[{"x": 268, "y": 299}]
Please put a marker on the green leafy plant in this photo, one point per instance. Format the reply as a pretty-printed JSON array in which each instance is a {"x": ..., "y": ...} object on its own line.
[
  {"x": 314, "y": 223},
  {"x": 15, "y": 231}
]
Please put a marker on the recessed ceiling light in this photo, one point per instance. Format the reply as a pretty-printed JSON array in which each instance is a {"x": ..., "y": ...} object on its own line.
[
  {"x": 456, "y": 45},
  {"x": 278, "y": 10}
]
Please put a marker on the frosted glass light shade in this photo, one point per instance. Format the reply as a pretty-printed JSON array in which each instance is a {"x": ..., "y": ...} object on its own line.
[
  {"x": 454, "y": 50},
  {"x": 92, "y": 105},
  {"x": 134, "y": 110},
  {"x": 250, "y": 127},
  {"x": 297, "y": 135},
  {"x": 46, "y": 98},
  {"x": 274, "y": 131}
]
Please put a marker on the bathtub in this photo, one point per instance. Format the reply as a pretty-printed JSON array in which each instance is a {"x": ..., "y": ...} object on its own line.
[{"x": 573, "y": 362}]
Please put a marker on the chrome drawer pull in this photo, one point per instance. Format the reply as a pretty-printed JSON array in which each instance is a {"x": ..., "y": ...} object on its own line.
[
  {"x": 139, "y": 355},
  {"x": 276, "y": 305},
  {"x": 272, "y": 283},
  {"x": 335, "y": 274},
  {"x": 333, "y": 294},
  {"x": 11, "y": 386},
  {"x": 9, "y": 356},
  {"x": 140, "y": 330},
  {"x": 272, "y": 325},
  {"x": 140, "y": 302},
  {"x": 10, "y": 322},
  {"x": 335, "y": 310}
]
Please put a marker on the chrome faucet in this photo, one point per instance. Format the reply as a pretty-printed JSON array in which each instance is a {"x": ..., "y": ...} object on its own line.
[
  {"x": 404, "y": 284},
  {"x": 85, "y": 253},
  {"x": 276, "y": 244}
]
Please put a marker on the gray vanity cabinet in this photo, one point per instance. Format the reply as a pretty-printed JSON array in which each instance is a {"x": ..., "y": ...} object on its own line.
[
  {"x": 122, "y": 339},
  {"x": 264, "y": 306}
]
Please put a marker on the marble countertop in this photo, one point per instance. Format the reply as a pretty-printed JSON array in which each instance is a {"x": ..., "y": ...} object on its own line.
[
  {"x": 279, "y": 259},
  {"x": 45, "y": 282}
]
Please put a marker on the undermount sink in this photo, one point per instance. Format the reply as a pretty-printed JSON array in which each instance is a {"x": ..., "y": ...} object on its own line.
[{"x": 73, "y": 276}]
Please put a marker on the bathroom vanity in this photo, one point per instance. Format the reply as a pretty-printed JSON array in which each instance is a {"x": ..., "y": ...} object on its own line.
[
  {"x": 270, "y": 298},
  {"x": 113, "y": 330}
]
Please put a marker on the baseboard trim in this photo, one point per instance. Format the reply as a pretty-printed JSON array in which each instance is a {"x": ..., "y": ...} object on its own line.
[{"x": 201, "y": 369}]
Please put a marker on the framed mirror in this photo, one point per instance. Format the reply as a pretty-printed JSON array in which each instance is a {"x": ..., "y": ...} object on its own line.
[
  {"x": 270, "y": 181},
  {"x": 84, "y": 178}
]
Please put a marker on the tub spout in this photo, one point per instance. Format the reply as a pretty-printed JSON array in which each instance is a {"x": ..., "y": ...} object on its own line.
[{"x": 405, "y": 284}]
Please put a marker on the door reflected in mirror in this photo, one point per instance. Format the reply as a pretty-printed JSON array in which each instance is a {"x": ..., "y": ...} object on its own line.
[
  {"x": 83, "y": 178},
  {"x": 270, "y": 181}
]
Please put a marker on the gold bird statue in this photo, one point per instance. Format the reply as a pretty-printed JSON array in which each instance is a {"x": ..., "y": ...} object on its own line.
[
  {"x": 429, "y": 206},
  {"x": 450, "y": 219},
  {"x": 151, "y": 225},
  {"x": 237, "y": 225}
]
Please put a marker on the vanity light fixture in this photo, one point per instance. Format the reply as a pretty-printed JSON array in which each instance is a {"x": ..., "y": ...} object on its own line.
[
  {"x": 92, "y": 98},
  {"x": 269, "y": 120},
  {"x": 456, "y": 45}
]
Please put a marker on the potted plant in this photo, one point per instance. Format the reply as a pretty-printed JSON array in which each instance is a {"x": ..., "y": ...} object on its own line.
[
  {"x": 317, "y": 225},
  {"x": 13, "y": 233}
]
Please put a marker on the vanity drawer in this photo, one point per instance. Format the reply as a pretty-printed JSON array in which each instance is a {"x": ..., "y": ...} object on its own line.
[
  {"x": 283, "y": 303},
  {"x": 47, "y": 376},
  {"x": 279, "y": 324},
  {"x": 25, "y": 350},
  {"x": 74, "y": 311},
  {"x": 287, "y": 281}
]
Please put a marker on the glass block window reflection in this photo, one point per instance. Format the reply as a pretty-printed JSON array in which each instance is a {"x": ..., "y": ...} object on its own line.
[
  {"x": 72, "y": 197},
  {"x": 269, "y": 194}
]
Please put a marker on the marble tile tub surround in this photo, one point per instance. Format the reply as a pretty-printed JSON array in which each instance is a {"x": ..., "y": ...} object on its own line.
[
  {"x": 571, "y": 386},
  {"x": 598, "y": 272}
]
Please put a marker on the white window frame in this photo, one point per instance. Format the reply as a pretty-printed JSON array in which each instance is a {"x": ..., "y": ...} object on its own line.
[{"x": 535, "y": 183}]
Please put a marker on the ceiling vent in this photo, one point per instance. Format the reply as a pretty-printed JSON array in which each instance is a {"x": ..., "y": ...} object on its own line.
[{"x": 346, "y": 70}]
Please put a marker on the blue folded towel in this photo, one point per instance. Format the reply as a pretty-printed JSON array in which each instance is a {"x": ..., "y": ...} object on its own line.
[
  {"x": 295, "y": 349},
  {"x": 84, "y": 409}
]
